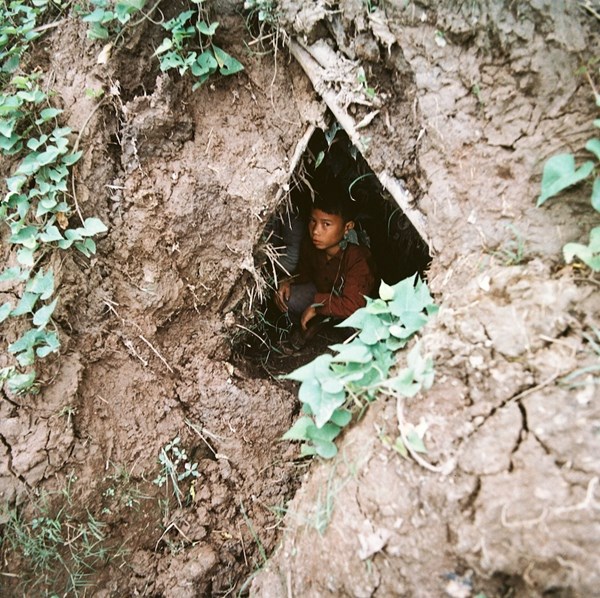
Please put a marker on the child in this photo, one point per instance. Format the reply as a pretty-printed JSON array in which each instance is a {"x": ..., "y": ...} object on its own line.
[{"x": 333, "y": 277}]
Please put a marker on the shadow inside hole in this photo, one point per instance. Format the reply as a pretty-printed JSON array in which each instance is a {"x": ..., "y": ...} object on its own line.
[{"x": 330, "y": 165}]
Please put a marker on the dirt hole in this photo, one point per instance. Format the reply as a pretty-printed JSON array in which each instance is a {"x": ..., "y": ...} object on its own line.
[{"x": 331, "y": 164}]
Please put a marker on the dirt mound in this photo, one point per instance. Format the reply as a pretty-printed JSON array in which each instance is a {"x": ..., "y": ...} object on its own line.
[{"x": 455, "y": 109}]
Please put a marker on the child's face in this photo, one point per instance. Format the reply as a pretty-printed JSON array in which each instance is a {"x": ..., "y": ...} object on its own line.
[{"x": 326, "y": 230}]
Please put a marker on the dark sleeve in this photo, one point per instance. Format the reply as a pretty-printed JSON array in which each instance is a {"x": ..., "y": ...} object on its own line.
[{"x": 359, "y": 280}]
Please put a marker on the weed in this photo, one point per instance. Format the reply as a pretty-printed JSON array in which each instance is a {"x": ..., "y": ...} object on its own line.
[
  {"x": 263, "y": 22},
  {"x": 512, "y": 252},
  {"x": 560, "y": 173},
  {"x": 367, "y": 90},
  {"x": 175, "y": 467},
  {"x": 332, "y": 384},
  {"x": 261, "y": 548},
  {"x": 58, "y": 552},
  {"x": 123, "y": 492},
  {"x": 586, "y": 373}
]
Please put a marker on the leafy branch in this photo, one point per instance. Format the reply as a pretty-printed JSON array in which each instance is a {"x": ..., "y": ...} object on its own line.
[{"x": 358, "y": 371}]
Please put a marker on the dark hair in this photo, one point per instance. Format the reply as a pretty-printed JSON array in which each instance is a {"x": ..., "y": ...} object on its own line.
[{"x": 333, "y": 204}]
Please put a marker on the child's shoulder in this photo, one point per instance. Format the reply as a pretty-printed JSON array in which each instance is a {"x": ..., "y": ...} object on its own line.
[{"x": 360, "y": 252}]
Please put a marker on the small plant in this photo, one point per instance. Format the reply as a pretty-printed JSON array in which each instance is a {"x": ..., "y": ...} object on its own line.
[
  {"x": 203, "y": 58},
  {"x": 512, "y": 252},
  {"x": 123, "y": 491},
  {"x": 560, "y": 172},
  {"x": 263, "y": 22},
  {"x": 332, "y": 384},
  {"x": 110, "y": 17},
  {"x": 362, "y": 79},
  {"x": 175, "y": 467}
]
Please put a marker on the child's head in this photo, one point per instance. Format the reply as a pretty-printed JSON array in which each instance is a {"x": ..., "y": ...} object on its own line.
[
  {"x": 330, "y": 219},
  {"x": 333, "y": 204}
]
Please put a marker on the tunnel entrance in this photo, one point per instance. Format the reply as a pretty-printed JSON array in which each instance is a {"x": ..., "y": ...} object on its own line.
[{"x": 330, "y": 165}]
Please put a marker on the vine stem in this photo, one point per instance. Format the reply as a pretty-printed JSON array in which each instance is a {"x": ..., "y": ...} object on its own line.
[
  {"x": 413, "y": 454},
  {"x": 75, "y": 148}
]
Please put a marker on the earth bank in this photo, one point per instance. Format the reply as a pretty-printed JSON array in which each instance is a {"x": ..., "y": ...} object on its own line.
[{"x": 472, "y": 99}]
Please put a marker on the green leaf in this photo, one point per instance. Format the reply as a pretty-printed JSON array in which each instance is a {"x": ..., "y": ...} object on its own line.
[
  {"x": 52, "y": 345},
  {"x": 13, "y": 273},
  {"x": 322, "y": 403},
  {"x": 25, "y": 256},
  {"x": 227, "y": 64},
  {"x": 593, "y": 146},
  {"x": 596, "y": 195},
  {"x": 308, "y": 450},
  {"x": 325, "y": 449},
  {"x": 415, "y": 442},
  {"x": 50, "y": 234},
  {"x": 371, "y": 326},
  {"x": 377, "y": 306},
  {"x": 26, "y": 341},
  {"x": 421, "y": 366},
  {"x": 26, "y": 358},
  {"x": 299, "y": 430},
  {"x": 42, "y": 284},
  {"x": 92, "y": 226},
  {"x": 341, "y": 417},
  {"x": 404, "y": 383},
  {"x": 19, "y": 383},
  {"x": 5, "y": 311},
  {"x": 205, "y": 64},
  {"x": 386, "y": 292},
  {"x": 165, "y": 45},
  {"x": 26, "y": 304},
  {"x": 559, "y": 173},
  {"x": 27, "y": 236},
  {"x": 60, "y": 132},
  {"x": 96, "y": 16},
  {"x": 206, "y": 29},
  {"x": 29, "y": 165},
  {"x": 42, "y": 316},
  {"x": 70, "y": 159},
  {"x": 170, "y": 60},
  {"x": 87, "y": 247},
  {"x": 588, "y": 254},
  {"x": 49, "y": 155},
  {"x": 7, "y": 126},
  {"x": 48, "y": 114},
  {"x": 309, "y": 371},
  {"x": 355, "y": 352},
  {"x": 11, "y": 144}
]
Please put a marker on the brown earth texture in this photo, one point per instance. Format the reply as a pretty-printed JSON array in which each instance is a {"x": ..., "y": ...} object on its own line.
[{"x": 455, "y": 106}]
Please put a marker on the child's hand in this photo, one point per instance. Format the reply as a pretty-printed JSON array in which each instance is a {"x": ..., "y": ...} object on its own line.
[
  {"x": 282, "y": 296},
  {"x": 307, "y": 315}
]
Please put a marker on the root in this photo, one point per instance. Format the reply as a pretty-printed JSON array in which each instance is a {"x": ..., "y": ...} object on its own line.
[{"x": 587, "y": 503}]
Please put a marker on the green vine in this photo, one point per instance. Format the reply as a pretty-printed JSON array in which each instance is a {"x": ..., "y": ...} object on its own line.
[
  {"x": 560, "y": 172},
  {"x": 331, "y": 385},
  {"x": 36, "y": 210}
]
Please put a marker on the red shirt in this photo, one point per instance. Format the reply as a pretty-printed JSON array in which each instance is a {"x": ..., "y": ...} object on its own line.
[{"x": 342, "y": 282}]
